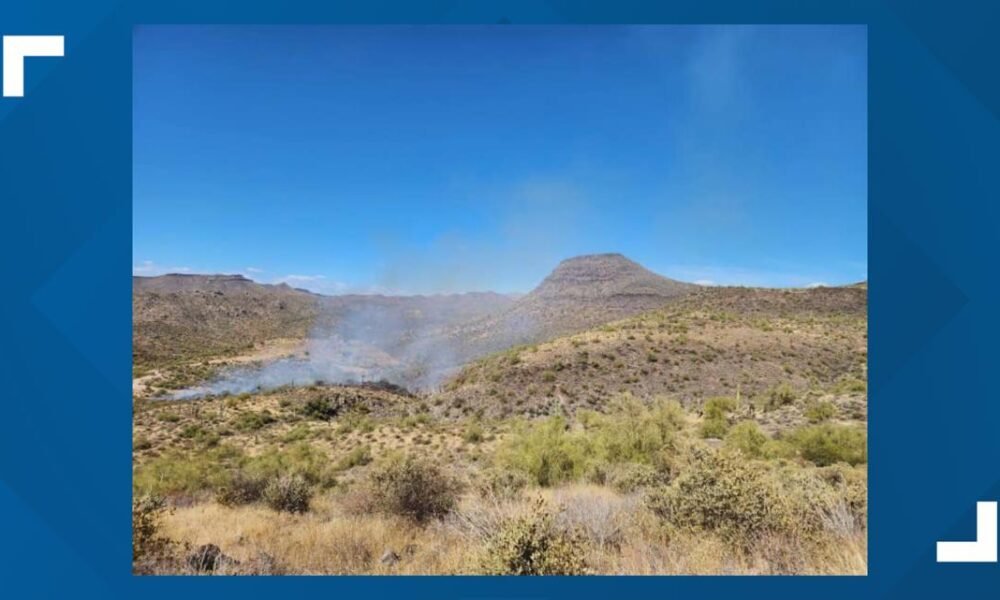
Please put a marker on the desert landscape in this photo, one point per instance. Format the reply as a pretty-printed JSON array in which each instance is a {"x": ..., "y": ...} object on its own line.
[{"x": 610, "y": 421}]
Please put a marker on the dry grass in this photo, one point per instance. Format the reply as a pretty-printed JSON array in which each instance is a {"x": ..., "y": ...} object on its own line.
[{"x": 622, "y": 538}]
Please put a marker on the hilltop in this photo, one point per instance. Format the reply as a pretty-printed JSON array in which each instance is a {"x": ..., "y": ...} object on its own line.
[{"x": 579, "y": 293}]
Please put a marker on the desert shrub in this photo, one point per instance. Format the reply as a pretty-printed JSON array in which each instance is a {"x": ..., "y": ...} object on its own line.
[
  {"x": 778, "y": 449},
  {"x": 546, "y": 450},
  {"x": 530, "y": 544},
  {"x": 716, "y": 421},
  {"x": 811, "y": 504},
  {"x": 318, "y": 408},
  {"x": 288, "y": 493},
  {"x": 473, "y": 433},
  {"x": 301, "y": 459},
  {"x": 253, "y": 421},
  {"x": 632, "y": 477},
  {"x": 632, "y": 432},
  {"x": 722, "y": 492},
  {"x": 241, "y": 489},
  {"x": 714, "y": 428},
  {"x": 411, "y": 487},
  {"x": 501, "y": 483},
  {"x": 819, "y": 412},
  {"x": 747, "y": 437},
  {"x": 852, "y": 485},
  {"x": 827, "y": 444},
  {"x": 177, "y": 472},
  {"x": 778, "y": 396},
  {"x": 147, "y": 543},
  {"x": 719, "y": 406}
]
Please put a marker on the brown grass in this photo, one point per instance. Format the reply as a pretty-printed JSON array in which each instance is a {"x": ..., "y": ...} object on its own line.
[{"x": 622, "y": 538}]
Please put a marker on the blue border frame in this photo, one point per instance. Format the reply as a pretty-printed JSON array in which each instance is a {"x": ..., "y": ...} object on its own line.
[{"x": 65, "y": 173}]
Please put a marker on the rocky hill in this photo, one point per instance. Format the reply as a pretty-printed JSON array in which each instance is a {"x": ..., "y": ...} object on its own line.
[
  {"x": 579, "y": 293},
  {"x": 181, "y": 317}
]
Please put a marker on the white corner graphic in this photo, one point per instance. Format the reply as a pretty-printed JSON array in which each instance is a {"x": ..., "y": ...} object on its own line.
[
  {"x": 984, "y": 549},
  {"x": 18, "y": 47}
]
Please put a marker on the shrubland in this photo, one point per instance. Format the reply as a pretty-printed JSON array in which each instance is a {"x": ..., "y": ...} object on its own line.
[{"x": 633, "y": 488}]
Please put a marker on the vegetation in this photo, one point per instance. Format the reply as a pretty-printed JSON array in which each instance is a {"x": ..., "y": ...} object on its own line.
[
  {"x": 288, "y": 493},
  {"x": 411, "y": 487},
  {"x": 741, "y": 449},
  {"x": 530, "y": 544}
]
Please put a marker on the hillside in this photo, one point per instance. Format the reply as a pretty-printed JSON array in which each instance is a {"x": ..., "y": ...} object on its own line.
[
  {"x": 712, "y": 342},
  {"x": 181, "y": 317}
]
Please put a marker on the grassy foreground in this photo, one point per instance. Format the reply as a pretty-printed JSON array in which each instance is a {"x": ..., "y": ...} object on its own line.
[{"x": 310, "y": 481}]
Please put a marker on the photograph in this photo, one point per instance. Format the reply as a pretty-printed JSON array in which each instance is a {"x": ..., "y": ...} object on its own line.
[{"x": 499, "y": 300}]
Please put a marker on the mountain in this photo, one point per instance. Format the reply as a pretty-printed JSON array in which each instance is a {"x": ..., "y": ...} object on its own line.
[
  {"x": 707, "y": 342},
  {"x": 579, "y": 293},
  {"x": 180, "y": 317},
  {"x": 602, "y": 276}
]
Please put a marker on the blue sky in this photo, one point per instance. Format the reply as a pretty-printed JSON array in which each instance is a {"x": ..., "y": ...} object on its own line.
[{"x": 443, "y": 159}]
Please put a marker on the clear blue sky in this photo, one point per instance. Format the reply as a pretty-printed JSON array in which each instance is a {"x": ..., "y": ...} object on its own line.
[{"x": 439, "y": 159}]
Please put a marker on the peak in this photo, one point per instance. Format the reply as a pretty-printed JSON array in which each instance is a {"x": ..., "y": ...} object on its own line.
[
  {"x": 609, "y": 257},
  {"x": 610, "y": 274}
]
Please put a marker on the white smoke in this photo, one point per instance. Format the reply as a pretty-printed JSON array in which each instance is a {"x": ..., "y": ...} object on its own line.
[{"x": 405, "y": 342}]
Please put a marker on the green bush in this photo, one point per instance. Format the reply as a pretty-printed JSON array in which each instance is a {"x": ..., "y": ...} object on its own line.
[
  {"x": 778, "y": 449},
  {"x": 632, "y": 432},
  {"x": 546, "y": 451},
  {"x": 714, "y": 428},
  {"x": 550, "y": 452},
  {"x": 819, "y": 412},
  {"x": 721, "y": 492},
  {"x": 288, "y": 493},
  {"x": 716, "y": 421},
  {"x": 318, "y": 408},
  {"x": 177, "y": 472},
  {"x": 532, "y": 545},
  {"x": 747, "y": 437},
  {"x": 301, "y": 459},
  {"x": 253, "y": 421},
  {"x": 778, "y": 396},
  {"x": 827, "y": 444},
  {"x": 718, "y": 407},
  {"x": 412, "y": 487}
]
